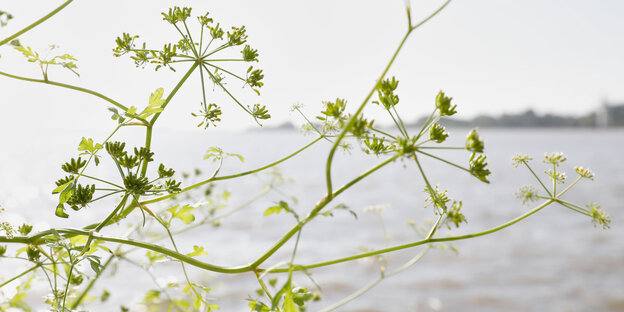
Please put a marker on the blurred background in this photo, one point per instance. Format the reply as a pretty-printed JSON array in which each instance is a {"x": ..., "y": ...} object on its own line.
[{"x": 535, "y": 76}]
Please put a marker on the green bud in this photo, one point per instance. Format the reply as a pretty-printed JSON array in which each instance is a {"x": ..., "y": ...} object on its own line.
[
  {"x": 33, "y": 253},
  {"x": 473, "y": 143},
  {"x": 478, "y": 167},
  {"x": 25, "y": 229},
  {"x": 443, "y": 103},
  {"x": 438, "y": 133}
]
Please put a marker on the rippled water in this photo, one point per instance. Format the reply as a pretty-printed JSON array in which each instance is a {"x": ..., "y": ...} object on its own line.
[{"x": 553, "y": 261}]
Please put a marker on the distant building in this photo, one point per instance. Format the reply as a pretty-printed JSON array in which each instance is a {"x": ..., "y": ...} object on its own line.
[{"x": 610, "y": 115}]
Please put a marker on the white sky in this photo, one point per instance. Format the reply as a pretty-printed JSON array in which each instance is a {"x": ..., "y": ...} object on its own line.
[{"x": 492, "y": 56}]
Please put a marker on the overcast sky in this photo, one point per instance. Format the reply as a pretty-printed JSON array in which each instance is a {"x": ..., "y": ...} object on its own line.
[{"x": 492, "y": 56}]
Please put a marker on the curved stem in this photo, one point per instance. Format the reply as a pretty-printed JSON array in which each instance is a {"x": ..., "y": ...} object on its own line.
[
  {"x": 37, "y": 22},
  {"x": 351, "y": 122},
  {"x": 418, "y": 243},
  {"x": 58, "y": 84},
  {"x": 196, "y": 185},
  {"x": 368, "y": 287}
]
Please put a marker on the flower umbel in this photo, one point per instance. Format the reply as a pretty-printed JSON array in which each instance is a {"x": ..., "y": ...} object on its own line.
[
  {"x": 584, "y": 172},
  {"x": 599, "y": 217}
]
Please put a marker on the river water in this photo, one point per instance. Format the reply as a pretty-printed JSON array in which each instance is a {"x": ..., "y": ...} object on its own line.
[{"x": 555, "y": 260}]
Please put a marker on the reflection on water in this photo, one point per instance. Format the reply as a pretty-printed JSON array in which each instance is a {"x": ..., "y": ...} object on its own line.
[{"x": 554, "y": 261}]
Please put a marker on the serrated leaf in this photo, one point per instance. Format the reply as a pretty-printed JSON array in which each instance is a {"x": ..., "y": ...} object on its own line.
[
  {"x": 87, "y": 145},
  {"x": 28, "y": 52},
  {"x": 182, "y": 213},
  {"x": 155, "y": 98}
]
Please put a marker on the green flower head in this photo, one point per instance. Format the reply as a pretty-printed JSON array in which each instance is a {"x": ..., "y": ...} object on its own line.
[{"x": 443, "y": 103}]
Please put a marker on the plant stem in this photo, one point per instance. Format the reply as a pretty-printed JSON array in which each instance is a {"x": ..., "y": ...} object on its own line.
[
  {"x": 188, "y": 188},
  {"x": 173, "y": 92},
  {"x": 112, "y": 214},
  {"x": 58, "y": 84},
  {"x": 444, "y": 161},
  {"x": 37, "y": 22},
  {"x": 418, "y": 243},
  {"x": 85, "y": 291},
  {"x": 351, "y": 122},
  {"x": 537, "y": 178},
  {"x": 368, "y": 287},
  {"x": 19, "y": 275}
]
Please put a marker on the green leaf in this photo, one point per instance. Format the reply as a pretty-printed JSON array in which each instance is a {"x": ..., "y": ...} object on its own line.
[
  {"x": 277, "y": 209},
  {"x": 197, "y": 251},
  {"x": 28, "y": 52},
  {"x": 60, "y": 211},
  {"x": 94, "y": 262},
  {"x": 61, "y": 187},
  {"x": 182, "y": 213},
  {"x": 217, "y": 154},
  {"x": 66, "y": 193},
  {"x": 272, "y": 210},
  {"x": 289, "y": 304},
  {"x": 87, "y": 145},
  {"x": 132, "y": 110},
  {"x": 197, "y": 303},
  {"x": 155, "y": 98}
]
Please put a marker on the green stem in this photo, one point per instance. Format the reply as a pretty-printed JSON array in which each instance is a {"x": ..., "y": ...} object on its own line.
[
  {"x": 226, "y": 90},
  {"x": 85, "y": 291},
  {"x": 173, "y": 92},
  {"x": 226, "y": 71},
  {"x": 418, "y": 243},
  {"x": 58, "y": 84},
  {"x": 103, "y": 181},
  {"x": 19, "y": 275},
  {"x": 430, "y": 16},
  {"x": 441, "y": 147},
  {"x": 426, "y": 125},
  {"x": 574, "y": 207},
  {"x": 538, "y": 179},
  {"x": 400, "y": 121},
  {"x": 384, "y": 133},
  {"x": 444, "y": 161},
  {"x": 351, "y": 122},
  {"x": 225, "y": 60},
  {"x": 434, "y": 194},
  {"x": 112, "y": 214},
  {"x": 37, "y": 22},
  {"x": 196, "y": 185},
  {"x": 148, "y": 145},
  {"x": 319, "y": 206},
  {"x": 554, "y": 178},
  {"x": 368, "y": 287},
  {"x": 69, "y": 275},
  {"x": 569, "y": 186}
]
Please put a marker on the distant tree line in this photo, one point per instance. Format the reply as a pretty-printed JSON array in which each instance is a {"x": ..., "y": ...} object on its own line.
[{"x": 614, "y": 116}]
